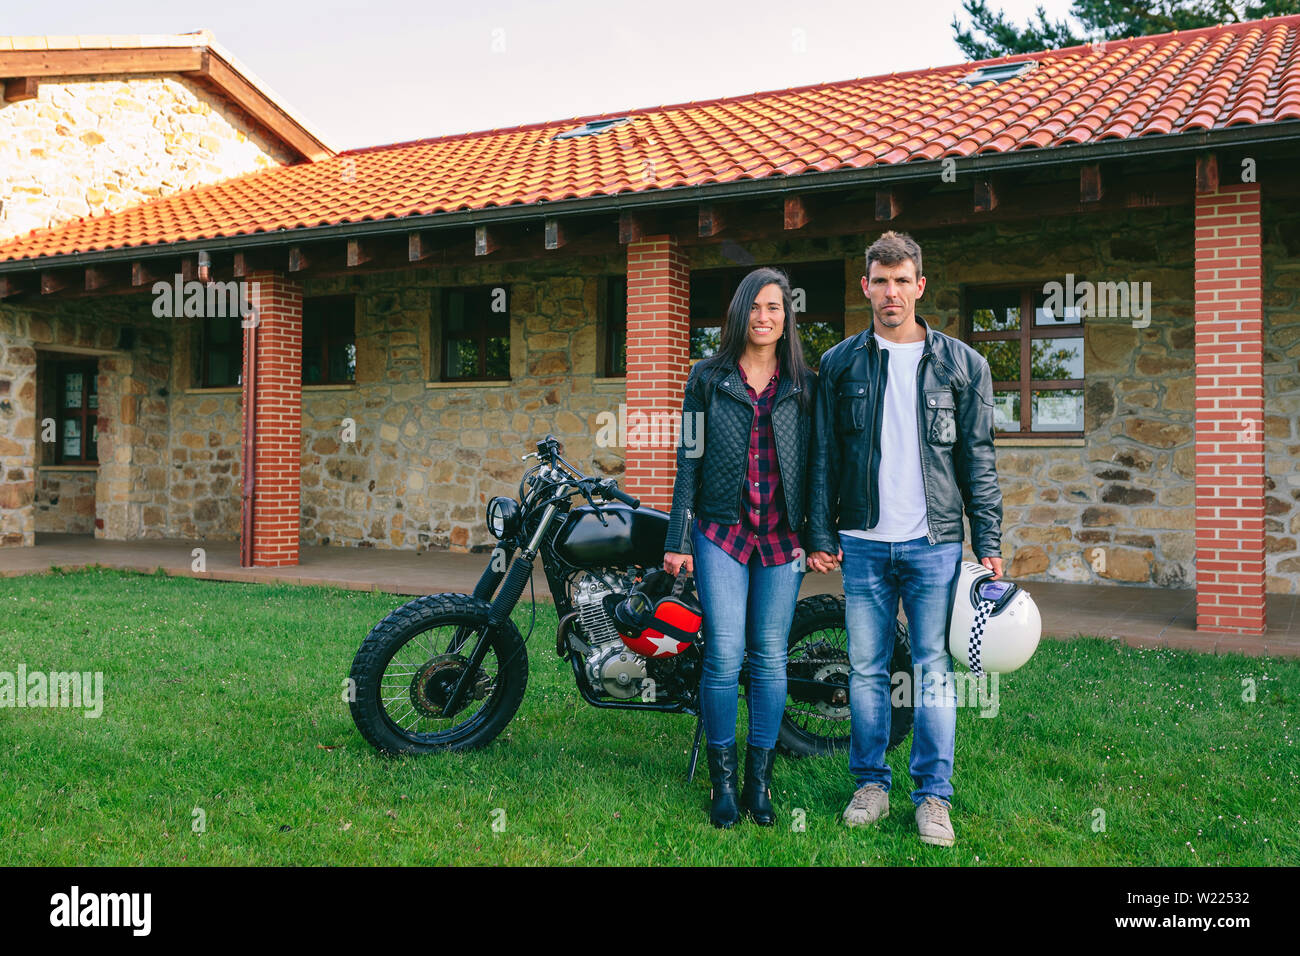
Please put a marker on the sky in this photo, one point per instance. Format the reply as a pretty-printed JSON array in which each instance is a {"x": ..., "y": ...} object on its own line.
[{"x": 368, "y": 74}]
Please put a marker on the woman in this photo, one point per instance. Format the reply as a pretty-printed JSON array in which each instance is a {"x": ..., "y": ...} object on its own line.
[{"x": 738, "y": 508}]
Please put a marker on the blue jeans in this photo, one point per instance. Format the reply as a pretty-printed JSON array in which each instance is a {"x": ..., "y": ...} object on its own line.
[
  {"x": 876, "y": 575},
  {"x": 746, "y": 606}
]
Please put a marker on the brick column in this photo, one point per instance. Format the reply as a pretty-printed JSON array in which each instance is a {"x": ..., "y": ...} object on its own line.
[
  {"x": 278, "y": 418},
  {"x": 1229, "y": 412},
  {"x": 658, "y": 361}
]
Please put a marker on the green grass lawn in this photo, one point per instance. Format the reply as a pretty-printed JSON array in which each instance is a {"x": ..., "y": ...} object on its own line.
[{"x": 227, "y": 699}]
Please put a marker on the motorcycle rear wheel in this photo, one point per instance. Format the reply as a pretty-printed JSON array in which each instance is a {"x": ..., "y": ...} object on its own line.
[
  {"x": 407, "y": 666},
  {"x": 818, "y": 649}
]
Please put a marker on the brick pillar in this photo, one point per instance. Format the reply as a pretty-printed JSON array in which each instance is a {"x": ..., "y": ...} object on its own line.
[
  {"x": 658, "y": 361},
  {"x": 1229, "y": 412},
  {"x": 278, "y": 451}
]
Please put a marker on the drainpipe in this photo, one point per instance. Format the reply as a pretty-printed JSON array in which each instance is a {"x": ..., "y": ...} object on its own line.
[{"x": 250, "y": 441}]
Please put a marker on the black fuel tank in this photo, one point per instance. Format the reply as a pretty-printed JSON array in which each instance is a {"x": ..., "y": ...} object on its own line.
[{"x": 633, "y": 537}]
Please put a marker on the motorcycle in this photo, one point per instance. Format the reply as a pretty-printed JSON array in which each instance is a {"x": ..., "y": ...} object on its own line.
[{"x": 447, "y": 672}]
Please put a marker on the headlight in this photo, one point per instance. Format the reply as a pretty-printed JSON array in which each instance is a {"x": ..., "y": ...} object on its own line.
[{"x": 502, "y": 517}]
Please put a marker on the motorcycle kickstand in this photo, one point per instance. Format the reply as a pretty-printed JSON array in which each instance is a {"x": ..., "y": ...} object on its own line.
[{"x": 695, "y": 748}]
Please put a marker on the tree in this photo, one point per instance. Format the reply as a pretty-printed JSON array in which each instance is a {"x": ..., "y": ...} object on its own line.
[{"x": 990, "y": 34}]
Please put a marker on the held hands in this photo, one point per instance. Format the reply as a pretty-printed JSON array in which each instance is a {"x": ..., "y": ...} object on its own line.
[
  {"x": 823, "y": 562},
  {"x": 675, "y": 563},
  {"x": 994, "y": 564}
]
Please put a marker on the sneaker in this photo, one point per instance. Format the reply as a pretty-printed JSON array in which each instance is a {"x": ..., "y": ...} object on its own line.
[
  {"x": 869, "y": 804},
  {"x": 932, "y": 820}
]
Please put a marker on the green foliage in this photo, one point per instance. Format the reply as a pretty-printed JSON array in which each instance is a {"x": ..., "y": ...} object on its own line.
[{"x": 990, "y": 34}]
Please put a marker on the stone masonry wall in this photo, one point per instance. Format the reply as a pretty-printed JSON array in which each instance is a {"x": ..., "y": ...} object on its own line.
[
  {"x": 65, "y": 501},
  {"x": 427, "y": 459},
  {"x": 1281, "y": 294},
  {"x": 86, "y": 146}
]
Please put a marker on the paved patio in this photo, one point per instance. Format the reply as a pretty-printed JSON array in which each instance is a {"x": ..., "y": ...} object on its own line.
[{"x": 1142, "y": 617}]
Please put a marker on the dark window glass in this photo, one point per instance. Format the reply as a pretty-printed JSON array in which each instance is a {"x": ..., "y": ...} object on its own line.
[
  {"x": 476, "y": 334},
  {"x": 78, "y": 419},
  {"x": 221, "y": 353},
  {"x": 615, "y": 326},
  {"x": 329, "y": 340},
  {"x": 818, "y": 300}
]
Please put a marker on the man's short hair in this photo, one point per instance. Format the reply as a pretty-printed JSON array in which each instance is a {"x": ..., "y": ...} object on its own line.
[{"x": 892, "y": 248}]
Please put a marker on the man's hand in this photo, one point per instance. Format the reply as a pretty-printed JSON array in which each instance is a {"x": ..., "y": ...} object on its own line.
[
  {"x": 674, "y": 563},
  {"x": 824, "y": 562},
  {"x": 994, "y": 564}
]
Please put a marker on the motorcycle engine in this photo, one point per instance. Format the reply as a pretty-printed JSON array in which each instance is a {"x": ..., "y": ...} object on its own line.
[{"x": 611, "y": 666}]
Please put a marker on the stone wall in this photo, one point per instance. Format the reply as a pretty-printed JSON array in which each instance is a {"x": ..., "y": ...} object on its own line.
[
  {"x": 134, "y": 431},
  {"x": 1281, "y": 291},
  {"x": 86, "y": 146},
  {"x": 17, "y": 435},
  {"x": 427, "y": 458},
  {"x": 65, "y": 501}
]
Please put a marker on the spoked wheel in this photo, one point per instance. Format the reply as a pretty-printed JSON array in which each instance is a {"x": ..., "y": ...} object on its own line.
[
  {"x": 816, "y": 719},
  {"x": 409, "y": 666}
]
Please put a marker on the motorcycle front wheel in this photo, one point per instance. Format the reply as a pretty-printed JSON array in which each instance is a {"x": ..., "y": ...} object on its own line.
[
  {"x": 816, "y": 719},
  {"x": 407, "y": 667}
]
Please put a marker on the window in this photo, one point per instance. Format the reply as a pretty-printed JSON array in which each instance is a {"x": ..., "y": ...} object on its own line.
[
  {"x": 612, "y": 341},
  {"x": 329, "y": 340},
  {"x": 78, "y": 413},
  {"x": 998, "y": 72},
  {"x": 1035, "y": 351},
  {"x": 592, "y": 127},
  {"x": 818, "y": 299},
  {"x": 221, "y": 352},
  {"x": 476, "y": 334}
]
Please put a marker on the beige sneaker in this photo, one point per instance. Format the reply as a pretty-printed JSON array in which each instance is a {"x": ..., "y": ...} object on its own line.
[
  {"x": 932, "y": 820},
  {"x": 869, "y": 804}
]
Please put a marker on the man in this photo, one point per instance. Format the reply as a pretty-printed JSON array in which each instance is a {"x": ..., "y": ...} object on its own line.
[{"x": 902, "y": 440}]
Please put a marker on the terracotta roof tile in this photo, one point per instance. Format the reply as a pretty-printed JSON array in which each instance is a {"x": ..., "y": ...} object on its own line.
[{"x": 1246, "y": 73}]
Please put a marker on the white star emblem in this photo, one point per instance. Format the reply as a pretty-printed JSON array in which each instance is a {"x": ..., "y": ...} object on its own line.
[{"x": 667, "y": 646}]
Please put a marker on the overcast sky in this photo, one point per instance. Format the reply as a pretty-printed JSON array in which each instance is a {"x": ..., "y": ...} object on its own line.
[{"x": 366, "y": 74}]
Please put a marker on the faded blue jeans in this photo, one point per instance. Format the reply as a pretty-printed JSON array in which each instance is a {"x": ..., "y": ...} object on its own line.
[
  {"x": 746, "y": 606},
  {"x": 876, "y": 575}
]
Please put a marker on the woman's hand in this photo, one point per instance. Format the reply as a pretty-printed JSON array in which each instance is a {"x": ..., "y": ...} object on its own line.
[{"x": 675, "y": 563}]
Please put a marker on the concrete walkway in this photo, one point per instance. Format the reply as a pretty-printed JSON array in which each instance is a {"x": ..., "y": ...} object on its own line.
[{"x": 1142, "y": 617}]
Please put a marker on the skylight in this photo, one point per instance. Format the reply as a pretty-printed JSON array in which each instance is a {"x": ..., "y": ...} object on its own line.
[
  {"x": 592, "y": 128},
  {"x": 997, "y": 73}
]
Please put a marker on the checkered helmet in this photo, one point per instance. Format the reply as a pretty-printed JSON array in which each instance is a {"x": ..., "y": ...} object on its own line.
[{"x": 993, "y": 625}]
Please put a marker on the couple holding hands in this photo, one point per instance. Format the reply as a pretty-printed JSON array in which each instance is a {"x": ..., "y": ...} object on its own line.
[{"x": 866, "y": 467}]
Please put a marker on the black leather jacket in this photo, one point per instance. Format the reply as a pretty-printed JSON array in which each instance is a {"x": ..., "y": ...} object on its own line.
[
  {"x": 710, "y": 485},
  {"x": 955, "y": 420}
]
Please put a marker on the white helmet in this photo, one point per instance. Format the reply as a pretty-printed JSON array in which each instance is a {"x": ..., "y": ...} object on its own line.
[{"x": 993, "y": 625}]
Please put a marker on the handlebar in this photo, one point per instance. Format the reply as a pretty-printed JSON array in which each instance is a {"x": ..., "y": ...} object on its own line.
[
  {"x": 610, "y": 490},
  {"x": 548, "y": 454}
]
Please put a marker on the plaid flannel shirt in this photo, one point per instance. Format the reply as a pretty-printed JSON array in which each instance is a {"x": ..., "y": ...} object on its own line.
[{"x": 763, "y": 525}]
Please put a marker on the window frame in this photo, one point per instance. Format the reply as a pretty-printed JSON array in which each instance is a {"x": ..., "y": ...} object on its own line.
[
  {"x": 481, "y": 334},
  {"x": 728, "y": 289},
  {"x": 88, "y": 417},
  {"x": 1026, "y": 335},
  {"x": 329, "y": 339},
  {"x": 205, "y": 346},
  {"x": 612, "y": 310}
]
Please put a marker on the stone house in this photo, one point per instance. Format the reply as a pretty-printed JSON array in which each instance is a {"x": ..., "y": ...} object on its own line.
[
  {"x": 91, "y": 125},
  {"x": 1115, "y": 226}
]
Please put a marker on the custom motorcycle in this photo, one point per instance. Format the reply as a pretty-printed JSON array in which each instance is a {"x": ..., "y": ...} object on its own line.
[{"x": 448, "y": 671}]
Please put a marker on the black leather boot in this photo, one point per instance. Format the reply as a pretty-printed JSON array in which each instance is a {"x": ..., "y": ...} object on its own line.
[
  {"x": 722, "y": 774},
  {"x": 756, "y": 798}
]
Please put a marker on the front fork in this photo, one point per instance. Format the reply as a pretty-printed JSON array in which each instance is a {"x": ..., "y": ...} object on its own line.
[{"x": 511, "y": 590}]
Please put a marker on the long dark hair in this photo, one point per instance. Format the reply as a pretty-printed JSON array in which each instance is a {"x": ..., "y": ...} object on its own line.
[{"x": 735, "y": 333}]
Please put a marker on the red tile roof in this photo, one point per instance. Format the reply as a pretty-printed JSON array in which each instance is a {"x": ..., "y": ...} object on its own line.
[{"x": 1197, "y": 80}]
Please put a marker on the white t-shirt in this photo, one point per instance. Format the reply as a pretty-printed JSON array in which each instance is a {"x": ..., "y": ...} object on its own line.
[{"x": 901, "y": 490}]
